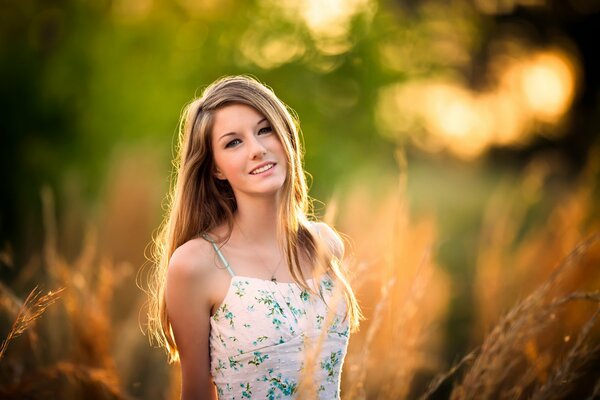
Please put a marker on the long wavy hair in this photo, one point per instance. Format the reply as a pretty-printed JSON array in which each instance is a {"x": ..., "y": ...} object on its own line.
[{"x": 198, "y": 202}]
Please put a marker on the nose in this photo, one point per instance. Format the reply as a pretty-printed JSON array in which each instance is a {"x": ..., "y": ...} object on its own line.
[{"x": 257, "y": 149}]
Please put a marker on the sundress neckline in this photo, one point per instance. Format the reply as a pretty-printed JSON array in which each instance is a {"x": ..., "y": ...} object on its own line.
[{"x": 242, "y": 277}]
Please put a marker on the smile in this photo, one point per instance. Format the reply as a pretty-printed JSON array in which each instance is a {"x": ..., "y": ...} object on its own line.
[{"x": 262, "y": 169}]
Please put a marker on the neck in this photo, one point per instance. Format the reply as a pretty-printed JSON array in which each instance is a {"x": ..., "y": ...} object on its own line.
[{"x": 256, "y": 220}]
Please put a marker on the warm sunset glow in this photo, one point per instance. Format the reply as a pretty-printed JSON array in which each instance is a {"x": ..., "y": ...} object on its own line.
[
  {"x": 466, "y": 122},
  {"x": 548, "y": 84},
  {"x": 453, "y": 114},
  {"x": 330, "y": 18},
  {"x": 510, "y": 122},
  {"x": 328, "y": 22},
  {"x": 270, "y": 52}
]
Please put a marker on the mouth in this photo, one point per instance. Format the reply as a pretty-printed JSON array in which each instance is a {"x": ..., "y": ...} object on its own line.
[{"x": 262, "y": 169}]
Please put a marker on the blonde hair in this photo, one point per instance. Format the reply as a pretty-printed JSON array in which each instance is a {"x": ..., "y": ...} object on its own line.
[{"x": 195, "y": 184}]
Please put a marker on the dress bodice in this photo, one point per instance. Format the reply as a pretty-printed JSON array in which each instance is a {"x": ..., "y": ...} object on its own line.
[{"x": 263, "y": 332}]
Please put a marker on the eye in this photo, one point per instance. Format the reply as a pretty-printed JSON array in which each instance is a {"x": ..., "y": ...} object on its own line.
[
  {"x": 266, "y": 129},
  {"x": 232, "y": 143}
]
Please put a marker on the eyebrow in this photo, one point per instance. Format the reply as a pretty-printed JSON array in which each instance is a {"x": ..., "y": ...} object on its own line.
[{"x": 223, "y": 136}]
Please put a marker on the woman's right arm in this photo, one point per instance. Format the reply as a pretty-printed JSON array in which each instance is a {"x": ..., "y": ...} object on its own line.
[{"x": 188, "y": 308}]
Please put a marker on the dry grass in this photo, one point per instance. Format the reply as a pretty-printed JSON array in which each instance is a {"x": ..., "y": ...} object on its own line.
[
  {"x": 67, "y": 380},
  {"x": 517, "y": 361},
  {"x": 34, "y": 306},
  {"x": 404, "y": 294},
  {"x": 541, "y": 347},
  {"x": 73, "y": 357}
]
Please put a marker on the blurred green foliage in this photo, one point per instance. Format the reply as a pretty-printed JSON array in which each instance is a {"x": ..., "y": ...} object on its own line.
[{"x": 80, "y": 78}]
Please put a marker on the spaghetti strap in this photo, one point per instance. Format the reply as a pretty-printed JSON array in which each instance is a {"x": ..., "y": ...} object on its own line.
[
  {"x": 218, "y": 251},
  {"x": 318, "y": 228}
]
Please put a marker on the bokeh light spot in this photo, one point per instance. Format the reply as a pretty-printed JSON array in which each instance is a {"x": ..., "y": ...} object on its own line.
[{"x": 548, "y": 84}]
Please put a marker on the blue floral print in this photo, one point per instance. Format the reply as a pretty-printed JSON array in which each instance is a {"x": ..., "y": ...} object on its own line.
[{"x": 262, "y": 331}]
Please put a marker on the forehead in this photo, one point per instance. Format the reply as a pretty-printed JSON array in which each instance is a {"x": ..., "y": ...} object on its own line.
[{"x": 233, "y": 117}]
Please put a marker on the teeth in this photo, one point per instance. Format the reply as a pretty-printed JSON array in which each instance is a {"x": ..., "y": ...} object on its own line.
[{"x": 262, "y": 169}]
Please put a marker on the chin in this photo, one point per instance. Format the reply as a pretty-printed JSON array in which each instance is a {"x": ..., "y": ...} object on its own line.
[{"x": 271, "y": 190}]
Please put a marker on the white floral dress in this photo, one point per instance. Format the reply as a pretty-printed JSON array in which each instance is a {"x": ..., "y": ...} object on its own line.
[{"x": 263, "y": 332}]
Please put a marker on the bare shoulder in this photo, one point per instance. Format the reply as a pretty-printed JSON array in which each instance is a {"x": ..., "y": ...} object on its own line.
[
  {"x": 191, "y": 262},
  {"x": 332, "y": 239}
]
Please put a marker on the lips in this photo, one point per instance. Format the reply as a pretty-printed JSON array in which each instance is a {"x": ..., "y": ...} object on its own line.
[{"x": 262, "y": 168}]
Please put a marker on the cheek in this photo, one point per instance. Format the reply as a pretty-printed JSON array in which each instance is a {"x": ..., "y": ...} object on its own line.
[
  {"x": 219, "y": 162},
  {"x": 229, "y": 164},
  {"x": 277, "y": 145}
]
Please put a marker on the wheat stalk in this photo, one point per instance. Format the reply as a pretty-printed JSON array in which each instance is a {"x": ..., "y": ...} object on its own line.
[
  {"x": 565, "y": 373},
  {"x": 440, "y": 378},
  {"x": 34, "y": 306}
]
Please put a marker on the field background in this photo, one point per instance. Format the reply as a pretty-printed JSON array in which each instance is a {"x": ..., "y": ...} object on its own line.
[{"x": 455, "y": 144}]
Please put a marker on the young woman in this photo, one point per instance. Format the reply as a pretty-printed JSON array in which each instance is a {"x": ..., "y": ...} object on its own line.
[{"x": 248, "y": 294}]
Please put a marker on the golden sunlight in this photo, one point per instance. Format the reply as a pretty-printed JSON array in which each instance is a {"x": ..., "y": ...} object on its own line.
[
  {"x": 451, "y": 116},
  {"x": 330, "y": 18},
  {"x": 328, "y": 22},
  {"x": 548, "y": 84},
  {"x": 447, "y": 114},
  {"x": 269, "y": 51}
]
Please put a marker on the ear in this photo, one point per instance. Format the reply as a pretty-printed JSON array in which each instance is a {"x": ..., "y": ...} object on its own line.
[{"x": 218, "y": 174}]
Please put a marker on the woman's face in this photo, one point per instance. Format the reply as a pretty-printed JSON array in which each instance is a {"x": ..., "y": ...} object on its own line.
[{"x": 247, "y": 151}]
